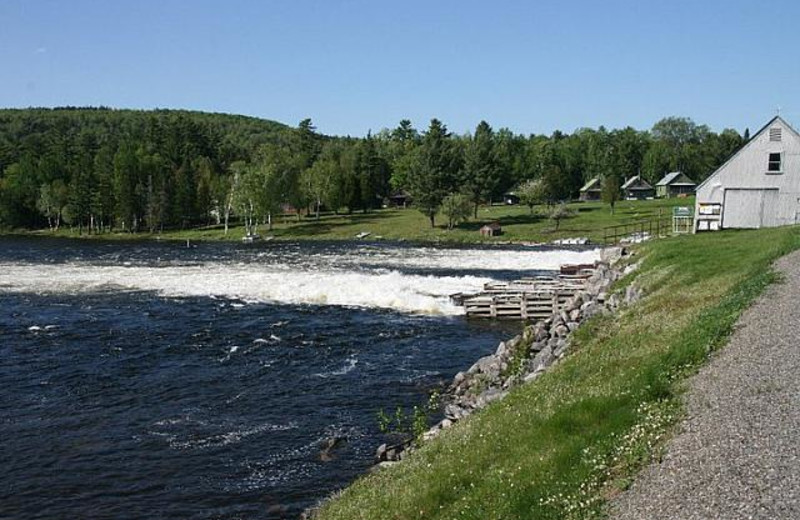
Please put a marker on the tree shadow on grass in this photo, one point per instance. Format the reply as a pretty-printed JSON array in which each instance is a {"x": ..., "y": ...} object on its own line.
[
  {"x": 510, "y": 220},
  {"x": 309, "y": 226}
]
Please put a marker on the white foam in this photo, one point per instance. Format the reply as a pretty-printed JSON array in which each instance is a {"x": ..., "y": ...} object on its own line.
[
  {"x": 392, "y": 290},
  {"x": 349, "y": 365},
  {"x": 312, "y": 282},
  {"x": 477, "y": 259}
]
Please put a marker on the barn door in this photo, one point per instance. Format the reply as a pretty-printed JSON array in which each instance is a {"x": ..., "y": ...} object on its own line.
[{"x": 749, "y": 208}]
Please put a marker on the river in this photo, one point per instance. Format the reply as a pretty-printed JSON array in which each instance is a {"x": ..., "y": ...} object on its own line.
[{"x": 155, "y": 380}]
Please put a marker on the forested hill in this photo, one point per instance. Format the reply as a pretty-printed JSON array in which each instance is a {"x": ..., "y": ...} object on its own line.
[
  {"x": 170, "y": 162},
  {"x": 101, "y": 169}
]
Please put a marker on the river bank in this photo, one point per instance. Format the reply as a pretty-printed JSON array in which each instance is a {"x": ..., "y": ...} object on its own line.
[
  {"x": 519, "y": 225},
  {"x": 561, "y": 445}
]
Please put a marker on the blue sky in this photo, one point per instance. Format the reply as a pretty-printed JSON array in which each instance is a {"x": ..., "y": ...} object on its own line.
[{"x": 358, "y": 65}]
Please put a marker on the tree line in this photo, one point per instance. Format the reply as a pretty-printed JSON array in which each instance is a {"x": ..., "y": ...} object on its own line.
[{"x": 100, "y": 169}]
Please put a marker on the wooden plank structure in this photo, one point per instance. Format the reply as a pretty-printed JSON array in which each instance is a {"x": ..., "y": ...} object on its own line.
[{"x": 528, "y": 298}]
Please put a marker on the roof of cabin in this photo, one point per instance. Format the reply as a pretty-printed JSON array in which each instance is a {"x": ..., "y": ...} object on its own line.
[
  {"x": 591, "y": 184},
  {"x": 636, "y": 183},
  {"x": 671, "y": 178}
]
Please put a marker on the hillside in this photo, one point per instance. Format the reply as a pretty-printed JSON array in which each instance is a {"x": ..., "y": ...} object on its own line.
[{"x": 86, "y": 166}]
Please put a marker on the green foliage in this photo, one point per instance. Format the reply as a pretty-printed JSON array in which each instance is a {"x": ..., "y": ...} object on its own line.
[
  {"x": 559, "y": 212},
  {"x": 481, "y": 172},
  {"x": 531, "y": 193},
  {"x": 457, "y": 207},
  {"x": 413, "y": 423},
  {"x": 164, "y": 169},
  {"x": 432, "y": 175},
  {"x": 610, "y": 190},
  {"x": 561, "y": 445}
]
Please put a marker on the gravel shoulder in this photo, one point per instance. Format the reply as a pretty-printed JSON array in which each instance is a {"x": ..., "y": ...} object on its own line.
[{"x": 737, "y": 454}]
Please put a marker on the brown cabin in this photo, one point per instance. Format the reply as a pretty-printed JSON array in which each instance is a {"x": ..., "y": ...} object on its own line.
[{"x": 491, "y": 230}]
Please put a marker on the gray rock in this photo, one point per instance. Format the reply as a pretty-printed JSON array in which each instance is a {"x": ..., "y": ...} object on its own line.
[
  {"x": 540, "y": 332},
  {"x": 561, "y": 331},
  {"x": 455, "y": 412},
  {"x": 543, "y": 359},
  {"x": 572, "y": 325},
  {"x": 459, "y": 378},
  {"x": 431, "y": 434},
  {"x": 561, "y": 348},
  {"x": 531, "y": 376},
  {"x": 589, "y": 309},
  {"x": 380, "y": 453},
  {"x": 486, "y": 365},
  {"x": 490, "y": 395},
  {"x": 502, "y": 350},
  {"x": 574, "y": 315},
  {"x": 538, "y": 345}
]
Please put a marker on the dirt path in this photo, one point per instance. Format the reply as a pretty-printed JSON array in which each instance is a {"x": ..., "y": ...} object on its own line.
[{"x": 737, "y": 455}]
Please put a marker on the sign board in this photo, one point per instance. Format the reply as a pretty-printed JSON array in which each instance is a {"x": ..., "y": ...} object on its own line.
[{"x": 682, "y": 211}]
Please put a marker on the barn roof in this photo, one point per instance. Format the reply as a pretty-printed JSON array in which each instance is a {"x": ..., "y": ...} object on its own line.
[
  {"x": 670, "y": 178},
  {"x": 591, "y": 185},
  {"x": 747, "y": 144}
]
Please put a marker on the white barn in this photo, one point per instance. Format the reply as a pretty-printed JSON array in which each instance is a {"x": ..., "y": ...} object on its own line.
[{"x": 759, "y": 186}]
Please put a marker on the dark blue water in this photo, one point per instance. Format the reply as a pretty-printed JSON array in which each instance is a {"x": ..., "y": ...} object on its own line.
[{"x": 125, "y": 403}]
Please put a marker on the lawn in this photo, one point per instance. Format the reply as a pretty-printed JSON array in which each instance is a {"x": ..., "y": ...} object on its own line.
[
  {"x": 519, "y": 225},
  {"x": 562, "y": 445}
]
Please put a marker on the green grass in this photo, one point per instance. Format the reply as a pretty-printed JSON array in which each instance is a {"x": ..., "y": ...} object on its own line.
[
  {"x": 561, "y": 446},
  {"x": 589, "y": 220}
]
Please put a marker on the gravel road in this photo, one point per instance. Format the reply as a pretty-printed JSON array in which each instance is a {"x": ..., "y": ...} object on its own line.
[{"x": 737, "y": 455}]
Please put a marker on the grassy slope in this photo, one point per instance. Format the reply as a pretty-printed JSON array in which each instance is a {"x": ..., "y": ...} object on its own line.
[
  {"x": 518, "y": 224},
  {"x": 559, "y": 447}
]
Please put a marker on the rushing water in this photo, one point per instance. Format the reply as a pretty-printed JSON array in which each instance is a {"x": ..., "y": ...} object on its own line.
[{"x": 152, "y": 380}]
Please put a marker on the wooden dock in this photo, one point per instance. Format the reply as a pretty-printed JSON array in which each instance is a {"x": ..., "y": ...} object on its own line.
[{"x": 529, "y": 298}]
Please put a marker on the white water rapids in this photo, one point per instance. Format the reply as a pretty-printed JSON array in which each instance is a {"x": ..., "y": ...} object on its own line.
[{"x": 376, "y": 280}]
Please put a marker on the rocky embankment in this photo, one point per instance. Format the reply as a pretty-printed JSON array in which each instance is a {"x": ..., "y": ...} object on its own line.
[{"x": 528, "y": 355}]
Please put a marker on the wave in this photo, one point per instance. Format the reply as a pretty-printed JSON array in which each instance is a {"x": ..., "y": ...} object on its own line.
[
  {"x": 287, "y": 283},
  {"x": 349, "y": 365},
  {"x": 393, "y": 290}
]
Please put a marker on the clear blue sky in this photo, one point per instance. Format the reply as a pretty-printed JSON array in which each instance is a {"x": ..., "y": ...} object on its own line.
[{"x": 351, "y": 66}]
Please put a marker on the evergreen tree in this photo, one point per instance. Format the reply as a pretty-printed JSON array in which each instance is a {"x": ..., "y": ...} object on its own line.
[
  {"x": 434, "y": 170},
  {"x": 481, "y": 171}
]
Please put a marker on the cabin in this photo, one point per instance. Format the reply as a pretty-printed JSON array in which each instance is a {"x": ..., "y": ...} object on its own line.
[
  {"x": 637, "y": 188},
  {"x": 592, "y": 190},
  {"x": 400, "y": 199},
  {"x": 758, "y": 186},
  {"x": 675, "y": 184},
  {"x": 511, "y": 199},
  {"x": 491, "y": 230}
]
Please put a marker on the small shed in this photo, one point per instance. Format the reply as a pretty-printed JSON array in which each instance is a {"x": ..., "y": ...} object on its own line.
[
  {"x": 491, "y": 230},
  {"x": 511, "y": 199},
  {"x": 637, "y": 188},
  {"x": 592, "y": 190},
  {"x": 675, "y": 184}
]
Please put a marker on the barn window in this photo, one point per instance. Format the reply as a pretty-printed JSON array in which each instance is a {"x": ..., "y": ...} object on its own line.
[
  {"x": 775, "y": 134},
  {"x": 774, "y": 164}
]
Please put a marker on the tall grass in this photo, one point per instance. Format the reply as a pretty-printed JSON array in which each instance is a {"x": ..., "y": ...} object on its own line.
[{"x": 562, "y": 445}]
